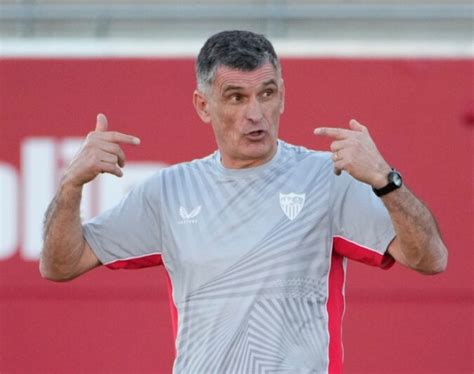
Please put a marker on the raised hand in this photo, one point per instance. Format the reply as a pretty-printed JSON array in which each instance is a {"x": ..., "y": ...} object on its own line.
[
  {"x": 100, "y": 153},
  {"x": 355, "y": 152}
]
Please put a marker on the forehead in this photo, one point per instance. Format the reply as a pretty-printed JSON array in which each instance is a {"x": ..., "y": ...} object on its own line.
[{"x": 228, "y": 77}]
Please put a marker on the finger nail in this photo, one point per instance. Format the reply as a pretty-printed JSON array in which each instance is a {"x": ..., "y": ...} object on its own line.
[
  {"x": 136, "y": 141},
  {"x": 317, "y": 131}
]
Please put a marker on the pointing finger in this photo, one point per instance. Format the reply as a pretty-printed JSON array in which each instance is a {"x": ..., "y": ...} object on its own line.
[
  {"x": 101, "y": 124},
  {"x": 333, "y": 132},
  {"x": 118, "y": 137}
]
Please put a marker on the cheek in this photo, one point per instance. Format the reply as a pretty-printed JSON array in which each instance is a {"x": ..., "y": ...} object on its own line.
[
  {"x": 230, "y": 118},
  {"x": 226, "y": 123},
  {"x": 273, "y": 116}
]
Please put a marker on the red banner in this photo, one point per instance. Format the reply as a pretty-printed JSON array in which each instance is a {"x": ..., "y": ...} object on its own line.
[{"x": 418, "y": 111}]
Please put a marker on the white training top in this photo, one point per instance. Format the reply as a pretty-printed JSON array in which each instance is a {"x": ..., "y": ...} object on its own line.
[{"x": 256, "y": 257}]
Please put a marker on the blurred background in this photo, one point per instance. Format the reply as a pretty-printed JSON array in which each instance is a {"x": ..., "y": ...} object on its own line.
[{"x": 404, "y": 69}]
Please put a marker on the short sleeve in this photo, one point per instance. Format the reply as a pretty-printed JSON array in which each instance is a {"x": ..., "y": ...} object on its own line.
[
  {"x": 129, "y": 235},
  {"x": 361, "y": 225}
]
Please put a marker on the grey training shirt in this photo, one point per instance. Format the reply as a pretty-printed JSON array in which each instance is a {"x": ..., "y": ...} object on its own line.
[{"x": 256, "y": 257}]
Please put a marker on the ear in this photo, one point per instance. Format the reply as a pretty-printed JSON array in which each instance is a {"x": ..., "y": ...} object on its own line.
[
  {"x": 282, "y": 96},
  {"x": 201, "y": 105}
]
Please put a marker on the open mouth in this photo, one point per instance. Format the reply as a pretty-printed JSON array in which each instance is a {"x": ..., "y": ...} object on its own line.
[{"x": 256, "y": 135}]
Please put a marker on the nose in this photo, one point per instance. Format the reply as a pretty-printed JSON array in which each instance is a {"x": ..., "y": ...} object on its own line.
[{"x": 254, "y": 110}]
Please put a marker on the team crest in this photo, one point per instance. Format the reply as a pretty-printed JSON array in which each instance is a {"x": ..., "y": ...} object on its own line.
[{"x": 291, "y": 204}]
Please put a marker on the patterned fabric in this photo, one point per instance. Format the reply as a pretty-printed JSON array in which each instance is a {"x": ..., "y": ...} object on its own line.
[{"x": 248, "y": 252}]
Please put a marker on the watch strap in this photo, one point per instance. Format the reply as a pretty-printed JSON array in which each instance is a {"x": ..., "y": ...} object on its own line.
[{"x": 391, "y": 186}]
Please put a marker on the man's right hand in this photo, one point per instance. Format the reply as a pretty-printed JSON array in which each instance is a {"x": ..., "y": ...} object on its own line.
[{"x": 100, "y": 153}]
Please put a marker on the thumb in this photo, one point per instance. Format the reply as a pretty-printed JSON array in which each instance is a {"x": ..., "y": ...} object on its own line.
[
  {"x": 101, "y": 124},
  {"x": 354, "y": 125}
]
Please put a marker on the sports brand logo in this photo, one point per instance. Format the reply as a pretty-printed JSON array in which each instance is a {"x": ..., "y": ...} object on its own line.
[
  {"x": 189, "y": 217},
  {"x": 292, "y": 204}
]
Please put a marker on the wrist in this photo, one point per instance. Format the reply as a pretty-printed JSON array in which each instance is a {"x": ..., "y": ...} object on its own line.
[
  {"x": 69, "y": 187},
  {"x": 380, "y": 179}
]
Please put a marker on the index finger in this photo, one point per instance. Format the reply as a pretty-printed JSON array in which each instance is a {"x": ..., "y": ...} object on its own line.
[
  {"x": 333, "y": 132},
  {"x": 118, "y": 137}
]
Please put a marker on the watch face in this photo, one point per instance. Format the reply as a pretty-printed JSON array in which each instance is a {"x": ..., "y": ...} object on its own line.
[
  {"x": 396, "y": 179},
  {"x": 394, "y": 182}
]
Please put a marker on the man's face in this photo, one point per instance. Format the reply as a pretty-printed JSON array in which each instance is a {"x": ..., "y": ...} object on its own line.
[{"x": 244, "y": 109}]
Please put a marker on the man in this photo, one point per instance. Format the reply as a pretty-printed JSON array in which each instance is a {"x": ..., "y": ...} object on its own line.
[{"x": 254, "y": 237}]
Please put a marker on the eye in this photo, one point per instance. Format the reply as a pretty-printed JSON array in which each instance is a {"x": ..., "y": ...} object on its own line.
[
  {"x": 236, "y": 98},
  {"x": 269, "y": 92}
]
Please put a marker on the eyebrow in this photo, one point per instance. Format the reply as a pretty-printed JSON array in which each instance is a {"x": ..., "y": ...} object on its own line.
[
  {"x": 231, "y": 87},
  {"x": 269, "y": 82}
]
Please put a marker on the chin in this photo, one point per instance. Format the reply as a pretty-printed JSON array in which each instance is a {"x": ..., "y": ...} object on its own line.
[{"x": 260, "y": 150}]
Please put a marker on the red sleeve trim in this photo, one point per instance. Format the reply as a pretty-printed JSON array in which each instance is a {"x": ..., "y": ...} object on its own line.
[
  {"x": 145, "y": 261},
  {"x": 335, "y": 308},
  {"x": 173, "y": 309},
  {"x": 360, "y": 253}
]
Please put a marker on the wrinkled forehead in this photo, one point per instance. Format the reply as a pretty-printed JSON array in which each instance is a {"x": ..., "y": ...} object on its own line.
[{"x": 229, "y": 77}]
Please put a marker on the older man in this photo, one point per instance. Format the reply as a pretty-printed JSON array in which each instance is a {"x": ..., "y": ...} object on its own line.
[{"x": 254, "y": 237}]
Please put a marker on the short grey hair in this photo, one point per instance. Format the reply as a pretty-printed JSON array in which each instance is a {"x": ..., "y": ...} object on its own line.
[{"x": 241, "y": 50}]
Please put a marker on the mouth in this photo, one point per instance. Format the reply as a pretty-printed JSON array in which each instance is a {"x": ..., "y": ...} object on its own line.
[{"x": 255, "y": 135}]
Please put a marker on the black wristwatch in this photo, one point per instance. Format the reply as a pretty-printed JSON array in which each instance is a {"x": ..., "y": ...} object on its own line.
[{"x": 394, "y": 182}]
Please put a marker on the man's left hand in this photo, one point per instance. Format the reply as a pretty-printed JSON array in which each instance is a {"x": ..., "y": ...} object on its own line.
[{"x": 354, "y": 151}]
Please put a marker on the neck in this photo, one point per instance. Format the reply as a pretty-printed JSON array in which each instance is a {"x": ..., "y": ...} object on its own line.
[{"x": 245, "y": 163}]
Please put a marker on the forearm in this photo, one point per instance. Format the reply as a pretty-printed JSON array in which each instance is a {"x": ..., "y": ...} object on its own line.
[
  {"x": 418, "y": 243},
  {"x": 63, "y": 241}
]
